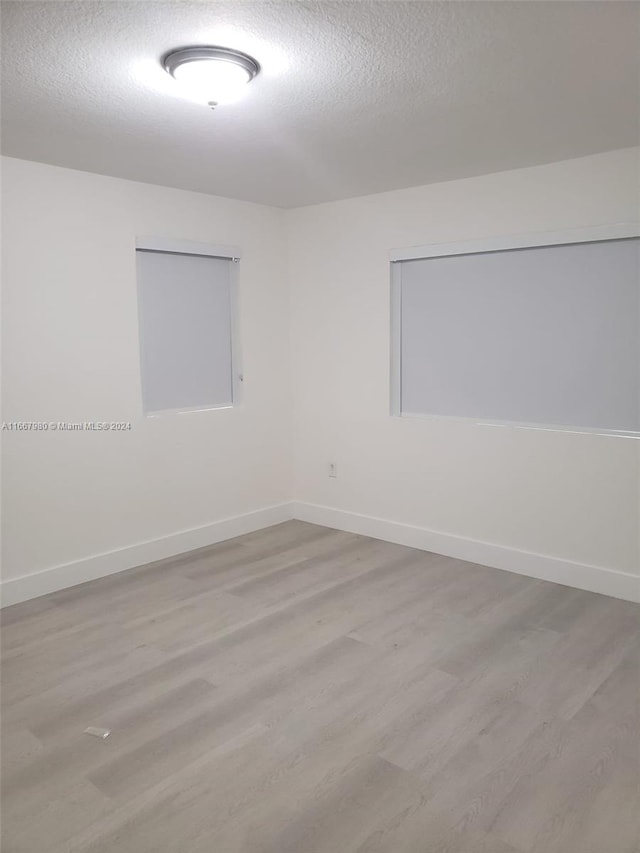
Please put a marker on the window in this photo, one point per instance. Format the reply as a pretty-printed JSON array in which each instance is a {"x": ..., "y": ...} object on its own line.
[
  {"x": 541, "y": 335},
  {"x": 185, "y": 307}
]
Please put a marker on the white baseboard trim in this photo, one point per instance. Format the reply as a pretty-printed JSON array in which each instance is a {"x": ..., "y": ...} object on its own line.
[
  {"x": 582, "y": 576},
  {"x": 15, "y": 590}
]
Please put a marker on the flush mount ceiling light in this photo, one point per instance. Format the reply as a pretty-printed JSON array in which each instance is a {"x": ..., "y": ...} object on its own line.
[{"x": 215, "y": 75}]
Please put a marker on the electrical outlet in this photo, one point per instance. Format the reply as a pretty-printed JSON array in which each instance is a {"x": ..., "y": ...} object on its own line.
[{"x": 333, "y": 470}]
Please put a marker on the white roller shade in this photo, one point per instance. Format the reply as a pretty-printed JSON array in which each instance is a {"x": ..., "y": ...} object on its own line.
[
  {"x": 547, "y": 335},
  {"x": 184, "y": 305}
]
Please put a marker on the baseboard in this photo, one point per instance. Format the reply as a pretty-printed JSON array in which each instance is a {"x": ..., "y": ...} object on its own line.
[
  {"x": 582, "y": 576},
  {"x": 592, "y": 578},
  {"x": 15, "y": 590}
]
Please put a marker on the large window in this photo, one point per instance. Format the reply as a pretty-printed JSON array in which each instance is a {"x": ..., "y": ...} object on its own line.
[
  {"x": 545, "y": 335},
  {"x": 185, "y": 304}
]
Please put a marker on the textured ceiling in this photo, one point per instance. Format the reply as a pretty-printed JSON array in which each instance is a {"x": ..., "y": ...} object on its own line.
[{"x": 353, "y": 97}]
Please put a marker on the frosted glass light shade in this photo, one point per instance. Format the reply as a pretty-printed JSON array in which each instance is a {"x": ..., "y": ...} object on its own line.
[
  {"x": 212, "y": 80},
  {"x": 213, "y": 75}
]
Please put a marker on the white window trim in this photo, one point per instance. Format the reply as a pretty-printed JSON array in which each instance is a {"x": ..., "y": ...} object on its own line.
[
  {"x": 187, "y": 247},
  {"x": 169, "y": 245},
  {"x": 617, "y": 231}
]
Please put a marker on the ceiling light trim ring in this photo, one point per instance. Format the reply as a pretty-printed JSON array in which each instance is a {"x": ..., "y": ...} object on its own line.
[{"x": 175, "y": 58}]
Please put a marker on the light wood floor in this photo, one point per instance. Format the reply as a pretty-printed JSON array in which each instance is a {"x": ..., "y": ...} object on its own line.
[{"x": 304, "y": 690}]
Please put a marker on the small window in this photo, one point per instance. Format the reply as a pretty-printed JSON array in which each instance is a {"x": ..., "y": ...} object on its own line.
[{"x": 185, "y": 316}]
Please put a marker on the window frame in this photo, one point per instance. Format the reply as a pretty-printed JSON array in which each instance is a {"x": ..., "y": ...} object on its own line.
[
  {"x": 173, "y": 246},
  {"x": 617, "y": 231}
]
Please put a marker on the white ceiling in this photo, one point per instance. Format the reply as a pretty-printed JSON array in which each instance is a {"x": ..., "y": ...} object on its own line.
[{"x": 353, "y": 97}]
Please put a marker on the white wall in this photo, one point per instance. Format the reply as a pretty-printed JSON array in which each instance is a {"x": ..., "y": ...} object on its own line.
[
  {"x": 71, "y": 354},
  {"x": 79, "y": 505},
  {"x": 572, "y": 498}
]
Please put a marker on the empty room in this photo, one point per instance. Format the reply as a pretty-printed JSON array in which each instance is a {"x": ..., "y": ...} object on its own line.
[{"x": 320, "y": 426}]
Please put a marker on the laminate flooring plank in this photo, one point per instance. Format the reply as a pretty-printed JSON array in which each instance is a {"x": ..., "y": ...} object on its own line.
[
  {"x": 277, "y": 554},
  {"x": 474, "y": 704},
  {"x": 583, "y": 659},
  {"x": 421, "y": 830},
  {"x": 587, "y": 799}
]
